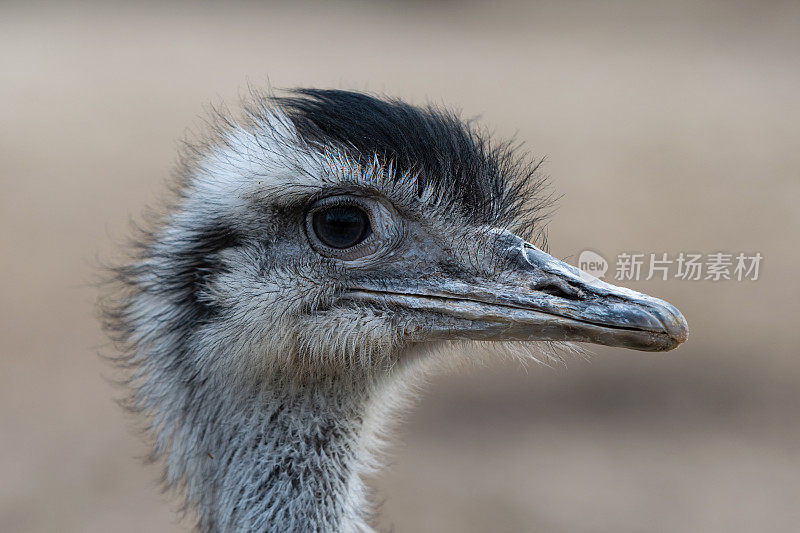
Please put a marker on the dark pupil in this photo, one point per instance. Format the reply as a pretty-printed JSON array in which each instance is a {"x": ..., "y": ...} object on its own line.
[{"x": 341, "y": 226}]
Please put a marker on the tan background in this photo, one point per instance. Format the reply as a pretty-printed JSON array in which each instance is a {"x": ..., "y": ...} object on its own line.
[{"x": 668, "y": 128}]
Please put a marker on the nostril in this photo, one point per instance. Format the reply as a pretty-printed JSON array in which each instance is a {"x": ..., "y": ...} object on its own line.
[
  {"x": 552, "y": 290},
  {"x": 558, "y": 289}
]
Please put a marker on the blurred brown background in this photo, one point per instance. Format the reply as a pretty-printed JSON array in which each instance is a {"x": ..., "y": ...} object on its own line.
[{"x": 668, "y": 127}]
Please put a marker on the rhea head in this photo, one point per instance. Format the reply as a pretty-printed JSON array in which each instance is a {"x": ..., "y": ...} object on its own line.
[{"x": 329, "y": 232}]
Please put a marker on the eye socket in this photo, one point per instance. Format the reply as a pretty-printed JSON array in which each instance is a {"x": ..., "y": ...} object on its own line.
[{"x": 341, "y": 226}]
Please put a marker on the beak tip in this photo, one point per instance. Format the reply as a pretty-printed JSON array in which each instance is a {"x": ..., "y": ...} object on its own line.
[
  {"x": 675, "y": 326},
  {"x": 682, "y": 332}
]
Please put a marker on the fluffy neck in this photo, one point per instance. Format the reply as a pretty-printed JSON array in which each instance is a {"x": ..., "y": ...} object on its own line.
[{"x": 287, "y": 458}]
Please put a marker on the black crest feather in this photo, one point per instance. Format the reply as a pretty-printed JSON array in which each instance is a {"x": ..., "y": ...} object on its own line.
[{"x": 490, "y": 184}]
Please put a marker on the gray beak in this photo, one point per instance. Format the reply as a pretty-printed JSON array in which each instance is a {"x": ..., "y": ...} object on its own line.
[{"x": 533, "y": 296}]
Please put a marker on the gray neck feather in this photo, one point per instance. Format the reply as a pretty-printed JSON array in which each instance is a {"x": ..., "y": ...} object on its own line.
[{"x": 287, "y": 458}]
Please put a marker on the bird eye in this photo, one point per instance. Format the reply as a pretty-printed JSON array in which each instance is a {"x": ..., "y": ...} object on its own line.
[{"x": 341, "y": 226}]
